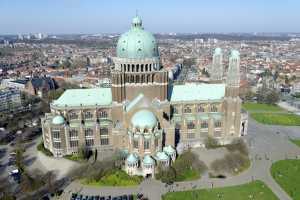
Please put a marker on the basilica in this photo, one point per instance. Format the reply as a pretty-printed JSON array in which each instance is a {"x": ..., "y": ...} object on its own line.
[{"x": 143, "y": 114}]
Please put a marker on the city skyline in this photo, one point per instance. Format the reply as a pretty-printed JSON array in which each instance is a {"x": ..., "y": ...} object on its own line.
[{"x": 91, "y": 17}]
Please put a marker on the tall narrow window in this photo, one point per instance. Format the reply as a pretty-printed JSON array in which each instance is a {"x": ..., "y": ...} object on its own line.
[
  {"x": 103, "y": 131},
  {"x": 204, "y": 124},
  {"x": 190, "y": 125},
  {"x": 88, "y": 132},
  {"x": 135, "y": 144},
  {"x": 146, "y": 144},
  {"x": 213, "y": 108},
  {"x": 218, "y": 124}
]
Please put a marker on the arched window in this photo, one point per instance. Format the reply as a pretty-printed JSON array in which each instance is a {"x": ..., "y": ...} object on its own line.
[
  {"x": 146, "y": 69},
  {"x": 102, "y": 114},
  {"x": 187, "y": 109},
  {"x": 142, "y": 68},
  {"x": 88, "y": 115},
  {"x": 204, "y": 124},
  {"x": 128, "y": 68},
  {"x": 200, "y": 108},
  {"x": 132, "y": 68},
  {"x": 73, "y": 115},
  {"x": 213, "y": 108},
  {"x": 137, "y": 68}
]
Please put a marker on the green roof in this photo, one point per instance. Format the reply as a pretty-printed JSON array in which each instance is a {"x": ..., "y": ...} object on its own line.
[
  {"x": 143, "y": 119},
  {"x": 162, "y": 156},
  {"x": 58, "y": 120},
  {"x": 148, "y": 160},
  {"x": 218, "y": 51},
  {"x": 132, "y": 158},
  {"x": 234, "y": 54},
  {"x": 85, "y": 97},
  {"x": 197, "y": 92},
  {"x": 169, "y": 150},
  {"x": 137, "y": 43}
]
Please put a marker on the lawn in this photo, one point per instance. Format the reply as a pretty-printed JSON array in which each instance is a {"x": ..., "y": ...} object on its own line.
[
  {"x": 254, "y": 190},
  {"x": 261, "y": 107},
  {"x": 287, "y": 174},
  {"x": 297, "y": 142},
  {"x": 188, "y": 175},
  {"x": 115, "y": 178},
  {"x": 284, "y": 119}
]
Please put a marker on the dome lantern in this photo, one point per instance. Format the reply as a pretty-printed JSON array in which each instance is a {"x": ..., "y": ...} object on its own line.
[
  {"x": 137, "y": 43},
  {"x": 137, "y": 22}
]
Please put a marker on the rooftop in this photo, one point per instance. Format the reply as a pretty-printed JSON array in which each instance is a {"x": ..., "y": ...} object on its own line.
[
  {"x": 85, "y": 97},
  {"x": 197, "y": 92}
]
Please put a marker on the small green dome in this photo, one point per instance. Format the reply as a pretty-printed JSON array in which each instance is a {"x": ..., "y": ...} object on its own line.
[
  {"x": 132, "y": 159},
  {"x": 169, "y": 150},
  {"x": 148, "y": 160},
  {"x": 58, "y": 120},
  {"x": 144, "y": 119},
  {"x": 137, "y": 43},
  {"x": 235, "y": 54},
  {"x": 218, "y": 51},
  {"x": 162, "y": 156}
]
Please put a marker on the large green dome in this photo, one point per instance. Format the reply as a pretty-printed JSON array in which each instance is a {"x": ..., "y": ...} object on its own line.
[{"x": 137, "y": 43}]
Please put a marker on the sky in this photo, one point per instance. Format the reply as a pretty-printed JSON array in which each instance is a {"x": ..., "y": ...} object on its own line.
[{"x": 159, "y": 16}]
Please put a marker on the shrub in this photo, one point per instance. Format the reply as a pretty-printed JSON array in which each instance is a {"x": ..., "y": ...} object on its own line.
[
  {"x": 238, "y": 146},
  {"x": 166, "y": 175},
  {"x": 41, "y": 148},
  {"x": 186, "y": 167},
  {"x": 231, "y": 163},
  {"x": 211, "y": 143}
]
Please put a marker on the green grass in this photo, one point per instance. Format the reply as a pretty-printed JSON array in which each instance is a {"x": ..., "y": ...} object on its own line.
[
  {"x": 261, "y": 107},
  {"x": 257, "y": 190},
  {"x": 40, "y": 147},
  {"x": 74, "y": 157},
  {"x": 284, "y": 119},
  {"x": 188, "y": 175},
  {"x": 297, "y": 142},
  {"x": 287, "y": 174},
  {"x": 115, "y": 178}
]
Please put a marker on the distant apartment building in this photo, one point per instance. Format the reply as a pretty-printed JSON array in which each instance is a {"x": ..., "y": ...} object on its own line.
[
  {"x": 38, "y": 86},
  {"x": 10, "y": 101}
]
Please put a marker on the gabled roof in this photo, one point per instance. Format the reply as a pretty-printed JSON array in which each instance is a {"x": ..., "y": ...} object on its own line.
[{"x": 197, "y": 92}]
